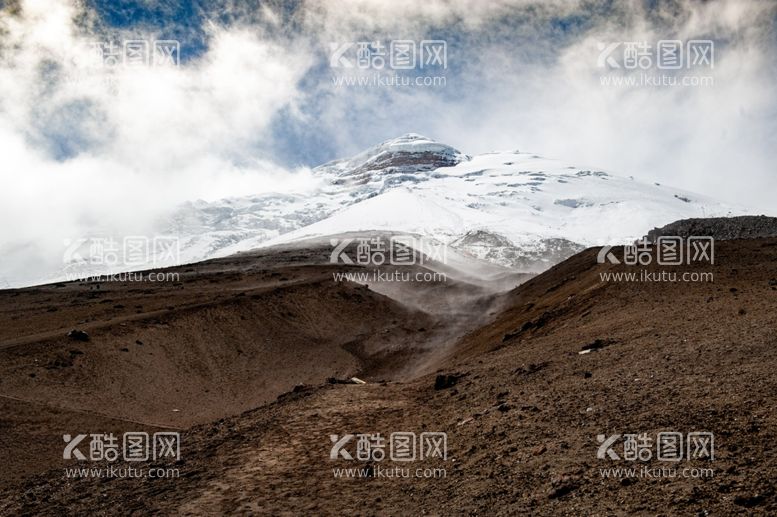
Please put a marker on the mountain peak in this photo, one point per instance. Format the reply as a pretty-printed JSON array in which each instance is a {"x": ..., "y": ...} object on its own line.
[
  {"x": 406, "y": 154},
  {"x": 408, "y": 138},
  {"x": 412, "y": 143}
]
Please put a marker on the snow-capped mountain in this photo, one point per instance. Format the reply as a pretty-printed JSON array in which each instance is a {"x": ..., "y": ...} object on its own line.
[
  {"x": 511, "y": 208},
  {"x": 238, "y": 224}
]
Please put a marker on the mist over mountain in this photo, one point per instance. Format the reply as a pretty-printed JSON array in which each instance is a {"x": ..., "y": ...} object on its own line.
[{"x": 514, "y": 208}]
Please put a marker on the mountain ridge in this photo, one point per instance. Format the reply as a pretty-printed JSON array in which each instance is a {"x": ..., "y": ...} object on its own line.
[{"x": 539, "y": 210}]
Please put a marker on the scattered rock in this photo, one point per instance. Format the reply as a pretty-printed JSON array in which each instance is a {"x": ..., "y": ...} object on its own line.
[
  {"x": 60, "y": 361},
  {"x": 352, "y": 380},
  {"x": 597, "y": 345},
  {"x": 538, "y": 323},
  {"x": 446, "y": 380},
  {"x": 504, "y": 407},
  {"x": 749, "y": 501},
  {"x": 562, "y": 485},
  {"x": 540, "y": 449},
  {"x": 532, "y": 368},
  {"x": 78, "y": 335}
]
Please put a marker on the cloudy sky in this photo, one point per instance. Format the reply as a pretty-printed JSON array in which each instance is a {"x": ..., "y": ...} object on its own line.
[{"x": 253, "y": 102}]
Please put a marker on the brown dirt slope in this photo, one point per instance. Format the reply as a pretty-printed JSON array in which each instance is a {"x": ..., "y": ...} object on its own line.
[
  {"x": 521, "y": 415},
  {"x": 231, "y": 335}
]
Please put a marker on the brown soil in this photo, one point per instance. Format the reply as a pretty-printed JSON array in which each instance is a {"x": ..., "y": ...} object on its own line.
[{"x": 521, "y": 407}]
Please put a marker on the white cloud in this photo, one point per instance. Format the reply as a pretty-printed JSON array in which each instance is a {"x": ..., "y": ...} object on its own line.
[
  {"x": 516, "y": 87},
  {"x": 87, "y": 147},
  {"x": 141, "y": 139}
]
